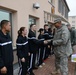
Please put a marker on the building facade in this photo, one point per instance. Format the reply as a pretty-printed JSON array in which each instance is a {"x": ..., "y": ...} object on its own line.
[
  {"x": 72, "y": 21},
  {"x": 62, "y": 10},
  {"x": 23, "y": 13}
]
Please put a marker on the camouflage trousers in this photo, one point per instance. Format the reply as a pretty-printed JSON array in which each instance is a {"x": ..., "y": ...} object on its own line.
[{"x": 61, "y": 63}]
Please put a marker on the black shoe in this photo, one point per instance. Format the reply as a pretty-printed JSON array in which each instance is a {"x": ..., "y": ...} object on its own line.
[
  {"x": 35, "y": 67},
  {"x": 31, "y": 73}
]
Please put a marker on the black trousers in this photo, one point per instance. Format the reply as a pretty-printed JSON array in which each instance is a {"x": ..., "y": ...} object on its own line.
[
  {"x": 23, "y": 67},
  {"x": 9, "y": 70},
  {"x": 41, "y": 51},
  {"x": 32, "y": 60},
  {"x": 46, "y": 52}
]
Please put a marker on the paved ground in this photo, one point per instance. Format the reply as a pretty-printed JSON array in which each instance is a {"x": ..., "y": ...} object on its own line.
[{"x": 49, "y": 67}]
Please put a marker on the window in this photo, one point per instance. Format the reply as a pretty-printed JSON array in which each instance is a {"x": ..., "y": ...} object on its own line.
[
  {"x": 47, "y": 17},
  {"x": 60, "y": 6},
  {"x": 66, "y": 13},
  {"x": 73, "y": 21},
  {"x": 73, "y": 17},
  {"x": 73, "y": 25},
  {"x": 32, "y": 20},
  {"x": 62, "y": 9},
  {"x": 51, "y": 1},
  {"x": 5, "y": 15}
]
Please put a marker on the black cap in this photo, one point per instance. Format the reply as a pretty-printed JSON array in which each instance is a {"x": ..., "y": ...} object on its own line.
[{"x": 41, "y": 29}]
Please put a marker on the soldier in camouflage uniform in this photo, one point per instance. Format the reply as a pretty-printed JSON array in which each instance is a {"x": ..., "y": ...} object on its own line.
[
  {"x": 73, "y": 34},
  {"x": 62, "y": 48}
]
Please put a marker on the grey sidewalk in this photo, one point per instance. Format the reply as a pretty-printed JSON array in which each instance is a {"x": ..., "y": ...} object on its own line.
[
  {"x": 48, "y": 67},
  {"x": 16, "y": 71}
]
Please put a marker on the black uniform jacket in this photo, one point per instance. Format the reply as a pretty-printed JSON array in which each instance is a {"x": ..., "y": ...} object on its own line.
[
  {"x": 6, "y": 51},
  {"x": 22, "y": 47},
  {"x": 33, "y": 42}
]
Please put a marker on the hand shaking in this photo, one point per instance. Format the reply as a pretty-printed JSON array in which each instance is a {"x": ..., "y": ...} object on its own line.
[
  {"x": 45, "y": 42},
  {"x": 48, "y": 42}
]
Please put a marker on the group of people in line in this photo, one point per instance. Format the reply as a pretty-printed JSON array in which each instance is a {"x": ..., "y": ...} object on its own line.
[{"x": 33, "y": 51}]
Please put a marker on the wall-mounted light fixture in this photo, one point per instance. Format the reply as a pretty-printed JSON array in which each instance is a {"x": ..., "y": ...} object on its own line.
[{"x": 36, "y": 5}]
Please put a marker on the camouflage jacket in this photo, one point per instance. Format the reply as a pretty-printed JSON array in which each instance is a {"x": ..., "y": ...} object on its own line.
[{"x": 61, "y": 42}]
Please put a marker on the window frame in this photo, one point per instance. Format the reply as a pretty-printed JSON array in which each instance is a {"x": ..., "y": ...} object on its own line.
[
  {"x": 32, "y": 20},
  {"x": 10, "y": 19},
  {"x": 73, "y": 21}
]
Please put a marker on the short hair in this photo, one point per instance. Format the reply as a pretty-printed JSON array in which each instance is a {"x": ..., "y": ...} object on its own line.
[
  {"x": 32, "y": 25},
  {"x": 45, "y": 25},
  {"x": 3, "y": 22}
]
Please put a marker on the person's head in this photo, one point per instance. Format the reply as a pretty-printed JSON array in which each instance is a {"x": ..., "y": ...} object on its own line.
[
  {"x": 5, "y": 24},
  {"x": 46, "y": 27},
  {"x": 50, "y": 30},
  {"x": 33, "y": 27},
  {"x": 57, "y": 23},
  {"x": 69, "y": 26},
  {"x": 41, "y": 30},
  {"x": 22, "y": 31}
]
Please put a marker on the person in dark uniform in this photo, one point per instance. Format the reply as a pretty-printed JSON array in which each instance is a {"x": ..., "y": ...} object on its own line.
[
  {"x": 46, "y": 33},
  {"x": 33, "y": 45},
  {"x": 6, "y": 50},
  {"x": 46, "y": 27},
  {"x": 22, "y": 49},
  {"x": 41, "y": 47}
]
